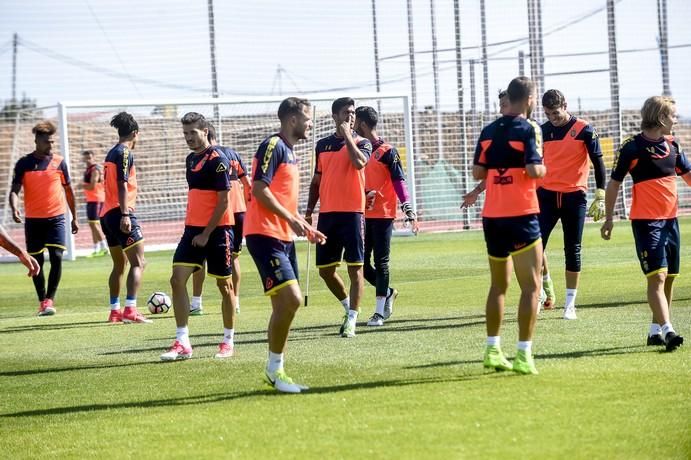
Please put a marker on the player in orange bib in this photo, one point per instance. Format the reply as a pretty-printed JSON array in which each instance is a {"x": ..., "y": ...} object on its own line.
[
  {"x": 570, "y": 144},
  {"x": 384, "y": 184},
  {"x": 119, "y": 224},
  {"x": 654, "y": 159},
  {"x": 339, "y": 182},
  {"x": 207, "y": 238},
  {"x": 272, "y": 221},
  {"x": 94, "y": 194},
  {"x": 46, "y": 181},
  {"x": 509, "y": 157},
  {"x": 240, "y": 195}
]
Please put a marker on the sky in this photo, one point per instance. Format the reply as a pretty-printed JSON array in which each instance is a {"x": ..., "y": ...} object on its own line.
[{"x": 159, "y": 49}]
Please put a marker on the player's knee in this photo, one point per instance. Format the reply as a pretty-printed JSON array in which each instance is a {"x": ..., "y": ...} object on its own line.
[
  {"x": 572, "y": 258},
  {"x": 225, "y": 286},
  {"x": 177, "y": 281},
  {"x": 327, "y": 273}
]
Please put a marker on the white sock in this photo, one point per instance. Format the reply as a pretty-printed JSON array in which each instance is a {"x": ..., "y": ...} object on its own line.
[
  {"x": 379, "y": 309},
  {"x": 525, "y": 346},
  {"x": 570, "y": 298},
  {"x": 182, "y": 335},
  {"x": 666, "y": 329},
  {"x": 97, "y": 246},
  {"x": 352, "y": 315},
  {"x": 196, "y": 302},
  {"x": 546, "y": 278},
  {"x": 103, "y": 244},
  {"x": 655, "y": 329},
  {"x": 130, "y": 303},
  {"x": 228, "y": 335},
  {"x": 115, "y": 306},
  {"x": 275, "y": 362},
  {"x": 346, "y": 304},
  {"x": 493, "y": 341}
]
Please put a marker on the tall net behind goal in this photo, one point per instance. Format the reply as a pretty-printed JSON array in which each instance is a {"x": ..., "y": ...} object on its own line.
[{"x": 161, "y": 150}]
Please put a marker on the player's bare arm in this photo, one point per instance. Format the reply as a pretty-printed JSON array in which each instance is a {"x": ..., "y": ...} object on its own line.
[
  {"x": 301, "y": 227},
  {"x": 313, "y": 196},
  {"x": 610, "y": 199},
  {"x": 69, "y": 194},
  {"x": 14, "y": 203},
  {"x": 357, "y": 158}
]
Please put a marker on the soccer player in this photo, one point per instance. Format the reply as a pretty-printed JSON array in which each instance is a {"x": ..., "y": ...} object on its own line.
[
  {"x": 384, "y": 181},
  {"x": 208, "y": 236},
  {"x": 339, "y": 181},
  {"x": 568, "y": 143},
  {"x": 94, "y": 194},
  {"x": 46, "y": 181},
  {"x": 119, "y": 224},
  {"x": 272, "y": 219},
  {"x": 653, "y": 158},
  {"x": 509, "y": 157},
  {"x": 240, "y": 193},
  {"x": 29, "y": 262},
  {"x": 470, "y": 198}
]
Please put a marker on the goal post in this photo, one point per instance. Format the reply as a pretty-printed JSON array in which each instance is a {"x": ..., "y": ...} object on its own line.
[{"x": 160, "y": 152}]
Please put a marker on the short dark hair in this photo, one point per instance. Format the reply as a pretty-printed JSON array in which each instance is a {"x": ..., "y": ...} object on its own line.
[
  {"x": 88, "y": 152},
  {"x": 503, "y": 93},
  {"x": 341, "y": 102},
  {"x": 553, "y": 98},
  {"x": 520, "y": 89},
  {"x": 194, "y": 118},
  {"x": 211, "y": 136},
  {"x": 368, "y": 115},
  {"x": 124, "y": 123},
  {"x": 291, "y": 106},
  {"x": 44, "y": 127}
]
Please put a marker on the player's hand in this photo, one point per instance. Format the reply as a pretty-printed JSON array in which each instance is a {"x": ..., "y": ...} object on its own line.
[
  {"x": 248, "y": 195},
  {"x": 410, "y": 217},
  {"x": 597, "y": 207},
  {"x": 470, "y": 198},
  {"x": 16, "y": 216},
  {"x": 370, "y": 198},
  {"x": 125, "y": 224},
  {"x": 606, "y": 230},
  {"x": 30, "y": 263},
  {"x": 315, "y": 236},
  {"x": 75, "y": 226},
  {"x": 200, "y": 240},
  {"x": 344, "y": 129}
]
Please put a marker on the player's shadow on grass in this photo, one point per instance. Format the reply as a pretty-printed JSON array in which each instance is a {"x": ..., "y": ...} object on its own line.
[
  {"x": 542, "y": 356},
  {"x": 53, "y": 326},
  {"x": 50, "y": 370},
  {"x": 624, "y": 303},
  {"x": 226, "y": 397}
]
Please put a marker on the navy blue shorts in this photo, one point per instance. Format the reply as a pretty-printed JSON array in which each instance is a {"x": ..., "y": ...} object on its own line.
[
  {"x": 42, "y": 233},
  {"x": 507, "y": 236},
  {"x": 275, "y": 260},
  {"x": 216, "y": 253},
  {"x": 658, "y": 245},
  {"x": 238, "y": 229},
  {"x": 110, "y": 224},
  {"x": 345, "y": 239},
  {"x": 570, "y": 207},
  {"x": 93, "y": 210}
]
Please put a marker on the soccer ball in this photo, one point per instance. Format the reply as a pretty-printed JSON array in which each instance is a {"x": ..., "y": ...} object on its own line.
[{"x": 158, "y": 302}]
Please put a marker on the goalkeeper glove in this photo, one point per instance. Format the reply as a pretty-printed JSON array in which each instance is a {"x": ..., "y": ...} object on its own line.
[
  {"x": 410, "y": 215},
  {"x": 597, "y": 207}
]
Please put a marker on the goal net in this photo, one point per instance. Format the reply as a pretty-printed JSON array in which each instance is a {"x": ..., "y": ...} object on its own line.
[{"x": 161, "y": 150}]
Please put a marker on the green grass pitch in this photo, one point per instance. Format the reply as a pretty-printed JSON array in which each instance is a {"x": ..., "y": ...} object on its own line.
[{"x": 75, "y": 387}]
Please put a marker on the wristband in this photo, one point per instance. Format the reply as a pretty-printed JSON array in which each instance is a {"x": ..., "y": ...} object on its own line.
[{"x": 124, "y": 215}]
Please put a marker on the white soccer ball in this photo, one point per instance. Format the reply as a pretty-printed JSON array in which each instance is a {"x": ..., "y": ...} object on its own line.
[{"x": 158, "y": 302}]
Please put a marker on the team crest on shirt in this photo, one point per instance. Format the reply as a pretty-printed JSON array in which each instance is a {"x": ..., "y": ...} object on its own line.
[{"x": 573, "y": 133}]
